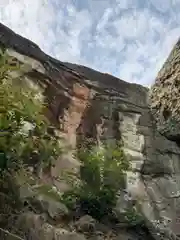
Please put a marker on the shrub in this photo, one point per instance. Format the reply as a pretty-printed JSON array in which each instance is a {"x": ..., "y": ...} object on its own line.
[
  {"x": 24, "y": 136},
  {"x": 20, "y": 107},
  {"x": 134, "y": 217},
  {"x": 101, "y": 178}
]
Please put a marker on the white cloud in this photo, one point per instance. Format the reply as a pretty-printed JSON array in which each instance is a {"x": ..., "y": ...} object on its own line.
[
  {"x": 104, "y": 20},
  {"x": 32, "y": 19},
  {"x": 130, "y": 69},
  {"x": 124, "y": 4},
  {"x": 132, "y": 25},
  {"x": 42, "y": 23},
  {"x": 128, "y": 38},
  {"x": 161, "y": 5},
  {"x": 148, "y": 39}
]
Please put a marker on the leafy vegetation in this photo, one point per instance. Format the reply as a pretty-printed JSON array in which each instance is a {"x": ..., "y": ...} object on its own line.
[
  {"x": 134, "y": 217},
  {"x": 20, "y": 107},
  {"x": 25, "y": 137},
  {"x": 101, "y": 178}
]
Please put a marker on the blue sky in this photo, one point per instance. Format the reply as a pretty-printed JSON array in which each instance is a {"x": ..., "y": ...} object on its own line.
[{"x": 130, "y": 39}]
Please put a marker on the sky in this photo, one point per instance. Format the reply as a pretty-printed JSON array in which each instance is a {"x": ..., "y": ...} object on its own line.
[{"x": 129, "y": 39}]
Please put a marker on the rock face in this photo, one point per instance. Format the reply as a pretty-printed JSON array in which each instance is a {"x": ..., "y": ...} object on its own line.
[
  {"x": 86, "y": 104},
  {"x": 34, "y": 226},
  {"x": 165, "y": 97}
]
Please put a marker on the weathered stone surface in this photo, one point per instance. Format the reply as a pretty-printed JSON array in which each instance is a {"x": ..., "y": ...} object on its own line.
[
  {"x": 126, "y": 236},
  {"x": 33, "y": 226},
  {"x": 85, "y": 104},
  {"x": 86, "y": 224},
  {"x": 54, "y": 208},
  {"x": 165, "y": 96}
]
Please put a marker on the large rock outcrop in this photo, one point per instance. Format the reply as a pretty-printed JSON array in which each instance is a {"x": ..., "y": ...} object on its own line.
[
  {"x": 165, "y": 96},
  {"x": 84, "y": 103}
]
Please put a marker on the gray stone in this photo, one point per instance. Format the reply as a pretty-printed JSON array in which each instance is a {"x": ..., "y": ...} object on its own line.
[
  {"x": 33, "y": 226},
  {"x": 60, "y": 234},
  {"x": 126, "y": 236},
  {"x": 86, "y": 224},
  {"x": 55, "y": 209}
]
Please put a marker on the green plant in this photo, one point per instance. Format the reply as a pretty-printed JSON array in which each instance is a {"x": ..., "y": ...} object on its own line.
[
  {"x": 134, "y": 217},
  {"x": 101, "y": 178},
  {"x": 25, "y": 138},
  {"x": 20, "y": 106}
]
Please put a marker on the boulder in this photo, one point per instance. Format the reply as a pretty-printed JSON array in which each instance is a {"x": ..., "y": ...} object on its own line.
[
  {"x": 86, "y": 224},
  {"x": 54, "y": 208},
  {"x": 33, "y": 226}
]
